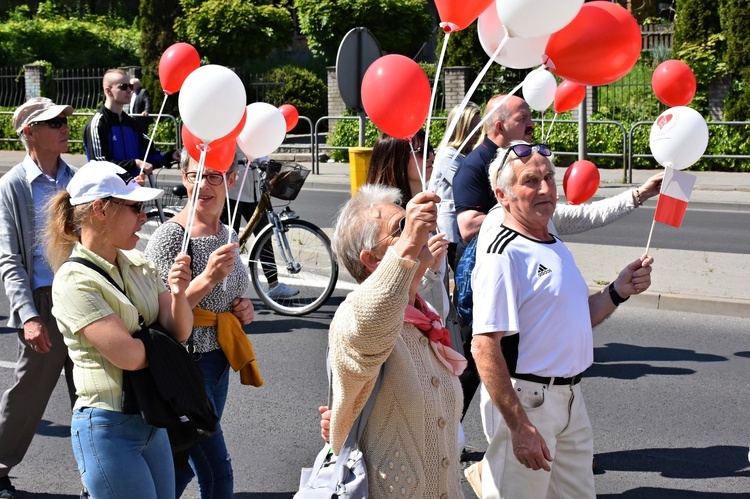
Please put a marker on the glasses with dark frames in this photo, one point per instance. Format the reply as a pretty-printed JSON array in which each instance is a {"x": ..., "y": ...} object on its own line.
[
  {"x": 125, "y": 86},
  {"x": 137, "y": 207},
  {"x": 211, "y": 178},
  {"x": 397, "y": 231},
  {"x": 524, "y": 150},
  {"x": 53, "y": 123}
]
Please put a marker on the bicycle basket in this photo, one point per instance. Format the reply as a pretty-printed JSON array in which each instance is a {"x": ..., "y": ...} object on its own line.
[{"x": 287, "y": 180}]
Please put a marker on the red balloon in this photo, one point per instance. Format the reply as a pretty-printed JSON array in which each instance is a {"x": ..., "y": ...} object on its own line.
[
  {"x": 674, "y": 83},
  {"x": 581, "y": 181},
  {"x": 396, "y": 95},
  {"x": 601, "y": 45},
  {"x": 568, "y": 96},
  {"x": 176, "y": 63},
  {"x": 459, "y": 14},
  {"x": 291, "y": 116},
  {"x": 218, "y": 158},
  {"x": 231, "y": 136}
]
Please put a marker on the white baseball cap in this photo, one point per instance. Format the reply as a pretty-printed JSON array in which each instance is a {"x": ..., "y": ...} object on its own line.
[
  {"x": 102, "y": 179},
  {"x": 38, "y": 109}
]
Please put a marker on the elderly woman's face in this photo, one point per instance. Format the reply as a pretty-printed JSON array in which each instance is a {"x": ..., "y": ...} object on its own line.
[{"x": 390, "y": 218}]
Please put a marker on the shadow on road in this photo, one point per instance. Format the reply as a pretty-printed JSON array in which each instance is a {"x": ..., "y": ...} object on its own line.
[
  {"x": 619, "y": 352},
  {"x": 633, "y": 371},
  {"x": 656, "y": 493},
  {"x": 719, "y": 461}
]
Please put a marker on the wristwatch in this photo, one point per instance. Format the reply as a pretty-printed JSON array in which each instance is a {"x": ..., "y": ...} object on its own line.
[{"x": 616, "y": 298}]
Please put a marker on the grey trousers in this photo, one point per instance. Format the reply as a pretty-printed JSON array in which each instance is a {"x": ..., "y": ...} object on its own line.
[{"x": 36, "y": 374}]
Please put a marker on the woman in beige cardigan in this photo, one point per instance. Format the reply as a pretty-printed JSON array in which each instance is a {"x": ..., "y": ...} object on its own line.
[{"x": 410, "y": 441}]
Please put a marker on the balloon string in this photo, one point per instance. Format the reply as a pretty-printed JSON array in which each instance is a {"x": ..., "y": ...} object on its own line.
[
  {"x": 229, "y": 228},
  {"x": 419, "y": 170},
  {"x": 156, "y": 125},
  {"x": 542, "y": 113},
  {"x": 487, "y": 115},
  {"x": 549, "y": 131},
  {"x": 194, "y": 201},
  {"x": 432, "y": 106},
  {"x": 470, "y": 92},
  {"x": 239, "y": 195}
]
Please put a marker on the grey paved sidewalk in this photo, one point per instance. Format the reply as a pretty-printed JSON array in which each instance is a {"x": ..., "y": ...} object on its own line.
[{"x": 690, "y": 281}]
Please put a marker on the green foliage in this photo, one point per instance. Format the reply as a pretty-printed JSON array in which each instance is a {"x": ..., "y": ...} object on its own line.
[
  {"x": 735, "y": 18},
  {"x": 67, "y": 43},
  {"x": 706, "y": 61},
  {"x": 229, "y": 32},
  {"x": 695, "y": 20},
  {"x": 302, "y": 88},
  {"x": 156, "y": 34},
  {"x": 400, "y": 26}
]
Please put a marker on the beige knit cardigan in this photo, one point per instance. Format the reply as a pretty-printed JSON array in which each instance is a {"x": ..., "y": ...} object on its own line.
[{"x": 410, "y": 442}]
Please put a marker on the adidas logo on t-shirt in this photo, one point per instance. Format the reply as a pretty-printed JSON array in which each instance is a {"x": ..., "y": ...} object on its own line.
[{"x": 542, "y": 270}]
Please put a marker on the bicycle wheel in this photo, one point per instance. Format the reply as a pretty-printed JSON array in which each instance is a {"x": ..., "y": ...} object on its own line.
[
  {"x": 149, "y": 226},
  {"x": 309, "y": 268}
]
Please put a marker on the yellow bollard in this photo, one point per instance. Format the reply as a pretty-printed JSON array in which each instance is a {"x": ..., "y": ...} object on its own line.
[{"x": 359, "y": 162}]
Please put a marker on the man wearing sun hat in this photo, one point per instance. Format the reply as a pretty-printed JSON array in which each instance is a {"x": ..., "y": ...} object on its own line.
[{"x": 24, "y": 190}]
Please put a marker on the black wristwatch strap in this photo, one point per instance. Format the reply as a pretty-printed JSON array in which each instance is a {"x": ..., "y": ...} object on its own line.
[{"x": 616, "y": 299}]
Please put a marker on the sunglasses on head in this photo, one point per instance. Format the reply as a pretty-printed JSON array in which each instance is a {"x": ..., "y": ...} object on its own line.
[
  {"x": 53, "y": 123},
  {"x": 211, "y": 178},
  {"x": 524, "y": 150},
  {"x": 397, "y": 231},
  {"x": 419, "y": 150},
  {"x": 125, "y": 86},
  {"x": 136, "y": 207}
]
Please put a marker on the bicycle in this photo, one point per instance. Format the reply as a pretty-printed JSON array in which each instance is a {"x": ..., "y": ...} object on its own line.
[{"x": 287, "y": 250}]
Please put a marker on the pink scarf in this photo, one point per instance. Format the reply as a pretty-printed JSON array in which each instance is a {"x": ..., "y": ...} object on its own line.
[{"x": 428, "y": 322}]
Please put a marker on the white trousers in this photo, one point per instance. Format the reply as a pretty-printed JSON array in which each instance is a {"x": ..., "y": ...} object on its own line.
[{"x": 559, "y": 414}]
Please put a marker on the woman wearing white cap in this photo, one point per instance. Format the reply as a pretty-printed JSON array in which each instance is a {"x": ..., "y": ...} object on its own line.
[{"x": 96, "y": 218}]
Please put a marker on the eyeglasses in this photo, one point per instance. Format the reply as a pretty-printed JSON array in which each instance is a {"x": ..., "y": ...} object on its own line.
[
  {"x": 52, "y": 123},
  {"x": 524, "y": 150},
  {"x": 125, "y": 86},
  {"x": 430, "y": 151},
  {"x": 137, "y": 207},
  {"x": 211, "y": 178},
  {"x": 397, "y": 231}
]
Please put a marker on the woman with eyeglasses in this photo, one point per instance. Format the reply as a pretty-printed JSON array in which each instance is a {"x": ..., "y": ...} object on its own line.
[
  {"x": 97, "y": 219},
  {"x": 215, "y": 260}
]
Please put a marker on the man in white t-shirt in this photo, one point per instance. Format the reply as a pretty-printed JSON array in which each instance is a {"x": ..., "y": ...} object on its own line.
[{"x": 533, "y": 337}]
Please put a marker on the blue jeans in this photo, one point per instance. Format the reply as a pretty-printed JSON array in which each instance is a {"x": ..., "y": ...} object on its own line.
[
  {"x": 209, "y": 459},
  {"x": 119, "y": 455}
]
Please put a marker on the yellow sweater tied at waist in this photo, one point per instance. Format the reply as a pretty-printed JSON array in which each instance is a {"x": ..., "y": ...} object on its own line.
[{"x": 234, "y": 343}]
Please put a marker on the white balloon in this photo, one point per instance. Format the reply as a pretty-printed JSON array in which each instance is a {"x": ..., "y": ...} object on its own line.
[
  {"x": 517, "y": 53},
  {"x": 212, "y": 101},
  {"x": 264, "y": 131},
  {"x": 679, "y": 137},
  {"x": 539, "y": 89},
  {"x": 530, "y": 18}
]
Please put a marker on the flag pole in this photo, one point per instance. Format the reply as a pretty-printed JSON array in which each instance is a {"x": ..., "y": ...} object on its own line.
[{"x": 650, "y": 234}]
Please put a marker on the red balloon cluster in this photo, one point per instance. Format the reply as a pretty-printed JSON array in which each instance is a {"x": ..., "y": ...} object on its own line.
[
  {"x": 674, "y": 83},
  {"x": 176, "y": 63},
  {"x": 396, "y": 95},
  {"x": 219, "y": 157},
  {"x": 600, "y": 45},
  {"x": 581, "y": 181},
  {"x": 459, "y": 14}
]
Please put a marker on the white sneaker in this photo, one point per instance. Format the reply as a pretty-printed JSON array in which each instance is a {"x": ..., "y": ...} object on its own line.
[{"x": 281, "y": 290}]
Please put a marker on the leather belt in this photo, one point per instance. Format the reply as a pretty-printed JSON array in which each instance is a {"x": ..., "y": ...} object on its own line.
[{"x": 573, "y": 380}]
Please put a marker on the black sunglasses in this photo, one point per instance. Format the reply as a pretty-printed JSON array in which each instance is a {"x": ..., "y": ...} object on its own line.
[
  {"x": 398, "y": 230},
  {"x": 137, "y": 207},
  {"x": 524, "y": 150},
  {"x": 430, "y": 150},
  {"x": 124, "y": 86},
  {"x": 211, "y": 178},
  {"x": 53, "y": 123}
]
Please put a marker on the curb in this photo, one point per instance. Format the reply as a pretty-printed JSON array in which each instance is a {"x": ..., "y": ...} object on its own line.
[{"x": 683, "y": 303}]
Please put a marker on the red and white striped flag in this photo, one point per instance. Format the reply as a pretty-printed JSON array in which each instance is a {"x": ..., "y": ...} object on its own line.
[{"x": 674, "y": 196}]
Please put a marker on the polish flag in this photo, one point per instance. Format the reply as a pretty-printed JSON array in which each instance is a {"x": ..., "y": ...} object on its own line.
[{"x": 674, "y": 196}]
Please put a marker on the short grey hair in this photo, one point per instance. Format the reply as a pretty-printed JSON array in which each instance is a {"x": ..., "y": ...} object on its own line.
[
  {"x": 500, "y": 171},
  {"x": 355, "y": 228}
]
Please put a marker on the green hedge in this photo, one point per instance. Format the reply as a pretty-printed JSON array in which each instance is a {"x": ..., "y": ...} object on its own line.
[
  {"x": 302, "y": 88},
  {"x": 77, "y": 123}
]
